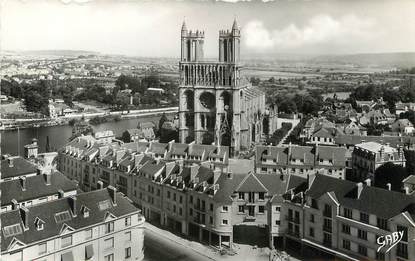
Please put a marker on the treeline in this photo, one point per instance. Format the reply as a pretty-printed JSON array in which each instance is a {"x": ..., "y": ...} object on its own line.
[
  {"x": 389, "y": 94},
  {"x": 309, "y": 102}
]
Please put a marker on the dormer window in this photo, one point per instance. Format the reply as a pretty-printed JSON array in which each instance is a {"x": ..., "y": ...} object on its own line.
[
  {"x": 85, "y": 211},
  {"x": 39, "y": 224}
]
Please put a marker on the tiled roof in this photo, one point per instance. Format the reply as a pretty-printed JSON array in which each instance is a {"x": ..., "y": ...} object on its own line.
[
  {"x": 36, "y": 187},
  {"x": 20, "y": 167},
  {"x": 47, "y": 211},
  {"x": 227, "y": 186},
  {"x": 375, "y": 147},
  {"x": 251, "y": 184},
  {"x": 381, "y": 202}
]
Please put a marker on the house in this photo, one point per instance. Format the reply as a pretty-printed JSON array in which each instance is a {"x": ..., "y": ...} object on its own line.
[
  {"x": 402, "y": 126},
  {"x": 344, "y": 220}
]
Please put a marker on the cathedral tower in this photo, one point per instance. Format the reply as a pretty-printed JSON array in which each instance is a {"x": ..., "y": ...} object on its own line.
[{"x": 216, "y": 105}]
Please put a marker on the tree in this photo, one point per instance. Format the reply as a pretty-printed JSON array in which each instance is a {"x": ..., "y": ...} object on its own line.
[
  {"x": 390, "y": 173},
  {"x": 126, "y": 137},
  {"x": 162, "y": 120},
  {"x": 47, "y": 149}
]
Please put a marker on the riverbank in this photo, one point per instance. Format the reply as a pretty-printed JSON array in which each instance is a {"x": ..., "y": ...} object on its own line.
[{"x": 14, "y": 124}]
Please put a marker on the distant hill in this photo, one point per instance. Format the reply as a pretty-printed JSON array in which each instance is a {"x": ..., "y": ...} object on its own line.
[
  {"x": 372, "y": 59},
  {"x": 56, "y": 52},
  {"x": 398, "y": 59}
]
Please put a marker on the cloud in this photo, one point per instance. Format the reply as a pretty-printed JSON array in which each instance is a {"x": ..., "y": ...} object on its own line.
[{"x": 320, "y": 29}]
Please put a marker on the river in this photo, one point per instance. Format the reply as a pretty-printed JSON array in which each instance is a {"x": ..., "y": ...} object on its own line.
[{"x": 13, "y": 141}]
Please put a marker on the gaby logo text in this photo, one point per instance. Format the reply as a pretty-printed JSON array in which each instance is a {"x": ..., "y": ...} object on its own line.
[{"x": 389, "y": 241}]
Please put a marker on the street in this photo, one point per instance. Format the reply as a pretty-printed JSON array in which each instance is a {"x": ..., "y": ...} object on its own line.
[{"x": 159, "y": 248}]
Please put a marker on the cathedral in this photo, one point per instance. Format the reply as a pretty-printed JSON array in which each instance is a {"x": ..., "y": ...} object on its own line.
[{"x": 217, "y": 105}]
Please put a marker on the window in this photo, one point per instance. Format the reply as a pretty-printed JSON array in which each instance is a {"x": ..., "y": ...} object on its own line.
[
  {"x": 311, "y": 232},
  {"x": 190, "y": 211},
  {"x": 211, "y": 207},
  {"x": 327, "y": 239},
  {"x": 128, "y": 236},
  {"x": 261, "y": 196},
  {"x": 127, "y": 252},
  {"x": 346, "y": 229},
  {"x": 168, "y": 194},
  {"x": 224, "y": 221},
  {"x": 362, "y": 234},
  {"x": 347, "y": 213},
  {"x": 211, "y": 220},
  {"x": 278, "y": 209},
  {"x": 180, "y": 211},
  {"x": 191, "y": 199},
  {"x": 241, "y": 209},
  {"x": 346, "y": 244},
  {"x": 380, "y": 256},
  {"x": 109, "y": 243},
  {"x": 225, "y": 208},
  {"x": 364, "y": 217},
  {"x": 241, "y": 195},
  {"x": 181, "y": 199},
  {"x": 327, "y": 210},
  {"x": 327, "y": 225},
  {"x": 362, "y": 250},
  {"x": 312, "y": 218},
  {"x": 42, "y": 248},
  {"x": 382, "y": 223},
  {"x": 405, "y": 232},
  {"x": 66, "y": 241},
  {"x": 261, "y": 209},
  {"x": 127, "y": 221},
  {"x": 314, "y": 203},
  {"x": 109, "y": 227},
  {"x": 109, "y": 257},
  {"x": 88, "y": 234},
  {"x": 174, "y": 196},
  {"x": 402, "y": 250}
]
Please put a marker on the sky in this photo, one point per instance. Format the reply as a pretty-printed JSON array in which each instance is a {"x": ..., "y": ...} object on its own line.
[{"x": 152, "y": 28}]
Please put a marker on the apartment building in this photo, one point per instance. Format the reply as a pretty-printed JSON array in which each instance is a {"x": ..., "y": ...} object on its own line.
[
  {"x": 33, "y": 190},
  {"x": 188, "y": 189},
  {"x": 100, "y": 225},
  {"x": 369, "y": 156},
  {"x": 342, "y": 219},
  {"x": 302, "y": 160}
]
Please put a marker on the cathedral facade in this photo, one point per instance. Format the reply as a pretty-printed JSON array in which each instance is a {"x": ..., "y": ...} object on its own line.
[{"x": 216, "y": 103}]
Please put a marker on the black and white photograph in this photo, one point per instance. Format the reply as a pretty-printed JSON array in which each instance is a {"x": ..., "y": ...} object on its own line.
[{"x": 207, "y": 130}]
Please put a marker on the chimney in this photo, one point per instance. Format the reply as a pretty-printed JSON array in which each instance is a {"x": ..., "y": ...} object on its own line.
[
  {"x": 310, "y": 179},
  {"x": 113, "y": 194},
  {"x": 216, "y": 175},
  {"x": 15, "y": 204},
  {"x": 24, "y": 214},
  {"x": 23, "y": 182},
  {"x": 100, "y": 185},
  {"x": 359, "y": 189},
  {"x": 48, "y": 178},
  {"x": 193, "y": 171},
  {"x": 389, "y": 186},
  {"x": 407, "y": 191},
  {"x": 72, "y": 203},
  {"x": 137, "y": 159},
  {"x": 368, "y": 182},
  {"x": 61, "y": 194},
  {"x": 169, "y": 167},
  {"x": 11, "y": 164}
]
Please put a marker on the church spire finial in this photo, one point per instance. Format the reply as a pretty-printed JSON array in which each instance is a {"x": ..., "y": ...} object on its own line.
[
  {"x": 184, "y": 28},
  {"x": 235, "y": 24}
]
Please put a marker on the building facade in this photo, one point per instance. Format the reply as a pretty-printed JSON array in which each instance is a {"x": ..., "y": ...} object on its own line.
[
  {"x": 302, "y": 160},
  {"x": 216, "y": 104},
  {"x": 369, "y": 156},
  {"x": 101, "y": 225},
  {"x": 343, "y": 219}
]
